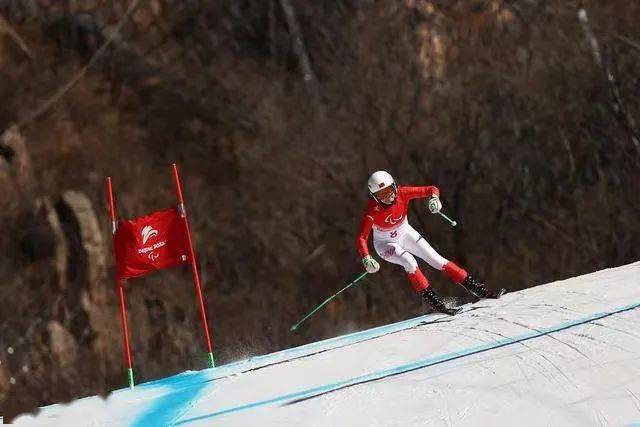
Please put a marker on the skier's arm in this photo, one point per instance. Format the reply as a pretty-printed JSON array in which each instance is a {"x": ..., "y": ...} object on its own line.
[
  {"x": 370, "y": 264},
  {"x": 365, "y": 230},
  {"x": 422, "y": 192}
]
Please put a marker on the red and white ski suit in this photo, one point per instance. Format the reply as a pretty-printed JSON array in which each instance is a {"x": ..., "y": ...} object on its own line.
[{"x": 397, "y": 242}]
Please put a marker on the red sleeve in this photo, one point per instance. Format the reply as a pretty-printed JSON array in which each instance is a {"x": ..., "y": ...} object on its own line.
[
  {"x": 419, "y": 192},
  {"x": 365, "y": 230}
]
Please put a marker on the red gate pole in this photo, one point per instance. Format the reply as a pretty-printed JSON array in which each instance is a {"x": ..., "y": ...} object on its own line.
[
  {"x": 194, "y": 267},
  {"x": 123, "y": 309}
]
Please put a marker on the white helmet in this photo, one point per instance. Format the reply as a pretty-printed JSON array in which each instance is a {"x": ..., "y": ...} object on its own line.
[{"x": 380, "y": 180}]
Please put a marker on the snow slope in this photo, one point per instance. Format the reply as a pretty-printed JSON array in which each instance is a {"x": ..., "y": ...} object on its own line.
[{"x": 565, "y": 353}]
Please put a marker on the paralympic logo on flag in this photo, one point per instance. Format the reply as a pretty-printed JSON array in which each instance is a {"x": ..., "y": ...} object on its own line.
[{"x": 150, "y": 243}]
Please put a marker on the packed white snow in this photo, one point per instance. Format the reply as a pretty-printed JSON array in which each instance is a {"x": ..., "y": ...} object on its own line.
[{"x": 565, "y": 353}]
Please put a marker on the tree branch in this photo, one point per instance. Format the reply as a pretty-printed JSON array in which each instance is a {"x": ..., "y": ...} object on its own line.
[
  {"x": 6, "y": 28},
  {"x": 299, "y": 48},
  {"x": 619, "y": 111}
]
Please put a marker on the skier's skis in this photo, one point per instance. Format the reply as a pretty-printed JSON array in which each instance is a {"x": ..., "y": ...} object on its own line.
[{"x": 500, "y": 292}]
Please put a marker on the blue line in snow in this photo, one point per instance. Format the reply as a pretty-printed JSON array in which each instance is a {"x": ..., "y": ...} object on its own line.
[
  {"x": 166, "y": 409},
  {"x": 419, "y": 364},
  {"x": 257, "y": 362},
  {"x": 182, "y": 389}
]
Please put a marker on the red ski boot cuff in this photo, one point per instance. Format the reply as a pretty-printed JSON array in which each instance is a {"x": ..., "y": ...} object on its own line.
[
  {"x": 419, "y": 283},
  {"x": 454, "y": 272}
]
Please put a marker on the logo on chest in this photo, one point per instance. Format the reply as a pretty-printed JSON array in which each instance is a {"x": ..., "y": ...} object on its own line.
[{"x": 393, "y": 221}]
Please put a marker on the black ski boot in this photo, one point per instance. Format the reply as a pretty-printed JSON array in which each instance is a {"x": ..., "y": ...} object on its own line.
[
  {"x": 434, "y": 301},
  {"x": 479, "y": 289}
]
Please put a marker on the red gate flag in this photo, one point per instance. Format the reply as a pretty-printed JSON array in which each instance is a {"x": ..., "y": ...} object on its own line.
[{"x": 150, "y": 243}]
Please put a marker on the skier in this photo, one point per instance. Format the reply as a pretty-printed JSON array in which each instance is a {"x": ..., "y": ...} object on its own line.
[{"x": 396, "y": 241}]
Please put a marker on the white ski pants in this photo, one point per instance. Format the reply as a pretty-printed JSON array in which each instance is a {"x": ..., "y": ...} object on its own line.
[{"x": 399, "y": 247}]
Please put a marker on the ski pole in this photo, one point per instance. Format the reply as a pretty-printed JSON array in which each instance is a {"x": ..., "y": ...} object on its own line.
[
  {"x": 452, "y": 222},
  {"x": 294, "y": 327}
]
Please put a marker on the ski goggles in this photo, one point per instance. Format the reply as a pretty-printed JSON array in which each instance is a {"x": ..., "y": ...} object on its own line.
[{"x": 386, "y": 195}]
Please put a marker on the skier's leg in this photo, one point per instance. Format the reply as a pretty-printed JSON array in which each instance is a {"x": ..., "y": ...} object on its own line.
[
  {"x": 419, "y": 246},
  {"x": 459, "y": 275},
  {"x": 396, "y": 254}
]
